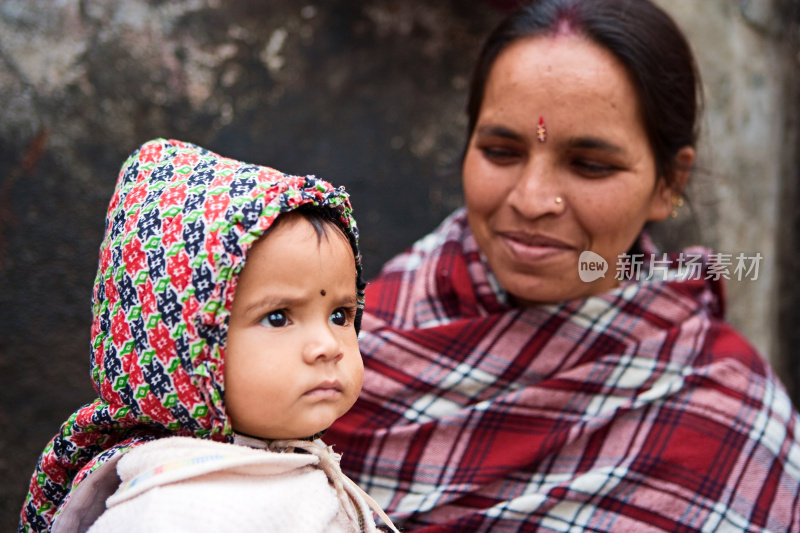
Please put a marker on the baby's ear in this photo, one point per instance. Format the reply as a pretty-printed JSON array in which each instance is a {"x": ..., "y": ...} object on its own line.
[{"x": 669, "y": 191}]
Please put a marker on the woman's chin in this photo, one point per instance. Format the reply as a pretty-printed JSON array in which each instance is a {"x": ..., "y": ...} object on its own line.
[{"x": 553, "y": 291}]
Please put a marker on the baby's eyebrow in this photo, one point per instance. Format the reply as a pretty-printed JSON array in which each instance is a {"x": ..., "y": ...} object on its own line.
[
  {"x": 271, "y": 302},
  {"x": 351, "y": 300},
  {"x": 286, "y": 302}
]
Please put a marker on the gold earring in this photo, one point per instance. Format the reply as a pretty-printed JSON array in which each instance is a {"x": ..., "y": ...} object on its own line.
[{"x": 677, "y": 201}]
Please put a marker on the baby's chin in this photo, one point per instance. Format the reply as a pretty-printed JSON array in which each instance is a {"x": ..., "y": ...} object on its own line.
[{"x": 308, "y": 432}]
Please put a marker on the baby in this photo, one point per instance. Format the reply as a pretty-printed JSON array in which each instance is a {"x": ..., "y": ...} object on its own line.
[{"x": 224, "y": 342}]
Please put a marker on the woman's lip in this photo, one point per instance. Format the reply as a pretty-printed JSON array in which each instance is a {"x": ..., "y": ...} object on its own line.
[
  {"x": 530, "y": 248},
  {"x": 534, "y": 239}
]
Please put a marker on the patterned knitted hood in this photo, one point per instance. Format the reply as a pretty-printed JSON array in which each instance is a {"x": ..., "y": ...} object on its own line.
[{"x": 179, "y": 225}]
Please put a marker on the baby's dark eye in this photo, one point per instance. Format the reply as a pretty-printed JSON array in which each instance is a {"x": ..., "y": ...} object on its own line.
[
  {"x": 340, "y": 317},
  {"x": 275, "y": 319}
]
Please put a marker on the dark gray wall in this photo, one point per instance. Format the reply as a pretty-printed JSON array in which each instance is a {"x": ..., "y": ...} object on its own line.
[{"x": 365, "y": 94}]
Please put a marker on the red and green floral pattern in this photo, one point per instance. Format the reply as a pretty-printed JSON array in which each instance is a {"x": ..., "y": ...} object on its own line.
[{"x": 177, "y": 232}]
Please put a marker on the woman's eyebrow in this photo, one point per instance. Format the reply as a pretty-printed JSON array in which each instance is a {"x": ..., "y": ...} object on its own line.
[
  {"x": 594, "y": 143},
  {"x": 498, "y": 131}
]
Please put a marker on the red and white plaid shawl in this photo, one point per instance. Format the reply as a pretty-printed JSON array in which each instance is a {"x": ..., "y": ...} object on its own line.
[{"x": 635, "y": 410}]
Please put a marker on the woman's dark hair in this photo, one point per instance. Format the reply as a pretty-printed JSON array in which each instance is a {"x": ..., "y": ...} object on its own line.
[{"x": 643, "y": 38}]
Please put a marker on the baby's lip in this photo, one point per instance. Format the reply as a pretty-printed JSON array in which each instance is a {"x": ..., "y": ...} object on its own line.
[{"x": 329, "y": 385}]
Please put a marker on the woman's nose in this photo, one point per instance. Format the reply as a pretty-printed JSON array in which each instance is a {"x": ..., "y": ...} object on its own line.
[
  {"x": 321, "y": 344},
  {"x": 537, "y": 191}
]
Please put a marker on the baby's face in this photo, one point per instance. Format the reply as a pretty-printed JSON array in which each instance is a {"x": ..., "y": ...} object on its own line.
[{"x": 292, "y": 363}]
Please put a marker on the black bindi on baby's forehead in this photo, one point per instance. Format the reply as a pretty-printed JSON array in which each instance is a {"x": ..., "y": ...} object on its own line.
[{"x": 322, "y": 292}]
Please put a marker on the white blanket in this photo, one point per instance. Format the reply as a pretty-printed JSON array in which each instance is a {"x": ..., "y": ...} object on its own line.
[{"x": 186, "y": 484}]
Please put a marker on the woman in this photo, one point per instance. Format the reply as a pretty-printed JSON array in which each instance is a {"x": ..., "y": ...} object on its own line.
[{"x": 508, "y": 386}]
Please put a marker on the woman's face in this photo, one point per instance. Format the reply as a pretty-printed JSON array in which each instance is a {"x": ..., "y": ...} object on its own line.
[{"x": 536, "y": 200}]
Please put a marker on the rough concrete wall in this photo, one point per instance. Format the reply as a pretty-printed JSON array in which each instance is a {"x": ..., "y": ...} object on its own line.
[
  {"x": 367, "y": 94},
  {"x": 788, "y": 293},
  {"x": 744, "y": 192}
]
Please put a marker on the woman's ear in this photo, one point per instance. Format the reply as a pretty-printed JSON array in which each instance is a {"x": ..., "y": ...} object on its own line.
[{"x": 668, "y": 193}]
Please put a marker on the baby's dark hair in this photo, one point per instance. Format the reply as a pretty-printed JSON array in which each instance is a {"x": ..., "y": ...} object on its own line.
[{"x": 321, "y": 219}]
